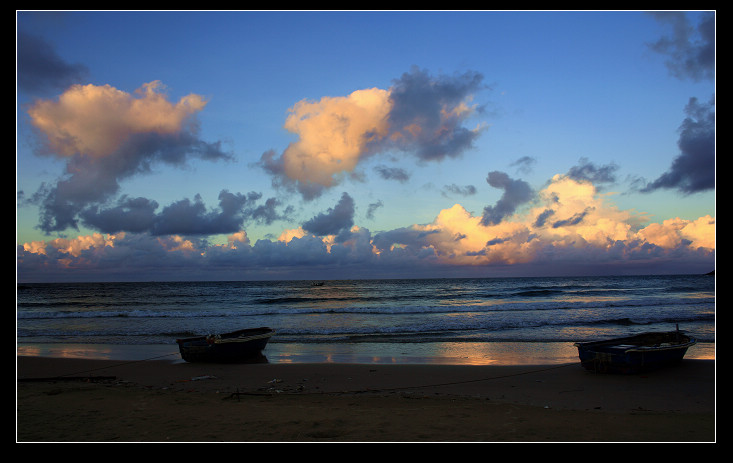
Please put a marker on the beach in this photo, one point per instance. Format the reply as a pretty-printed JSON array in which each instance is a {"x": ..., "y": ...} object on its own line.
[
  {"x": 440, "y": 360},
  {"x": 103, "y": 400}
]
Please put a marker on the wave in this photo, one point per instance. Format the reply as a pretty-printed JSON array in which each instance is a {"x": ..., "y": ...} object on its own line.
[
  {"x": 425, "y": 330},
  {"x": 177, "y": 312},
  {"x": 185, "y": 296},
  {"x": 518, "y": 310}
]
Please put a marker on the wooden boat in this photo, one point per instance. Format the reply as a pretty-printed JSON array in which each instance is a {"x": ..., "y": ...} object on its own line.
[
  {"x": 236, "y": 346},
  {"x": 634, "y": 354}
]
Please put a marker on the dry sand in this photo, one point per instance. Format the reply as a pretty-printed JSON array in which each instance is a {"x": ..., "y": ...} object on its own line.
[{"x": 162, "y": 401}]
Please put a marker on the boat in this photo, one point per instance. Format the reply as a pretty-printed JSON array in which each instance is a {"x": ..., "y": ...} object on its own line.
[
  {"x": 634, "y": 354},
  {"x": 237, "y": 346}
]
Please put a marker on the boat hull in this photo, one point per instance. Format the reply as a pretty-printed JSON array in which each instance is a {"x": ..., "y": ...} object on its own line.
[
  {"x": 634, "y": 354},
  {"x": 237, "y": 346}
]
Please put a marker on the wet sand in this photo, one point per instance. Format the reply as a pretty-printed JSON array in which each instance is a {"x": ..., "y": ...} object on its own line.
[{"x": 80, "y": 400}]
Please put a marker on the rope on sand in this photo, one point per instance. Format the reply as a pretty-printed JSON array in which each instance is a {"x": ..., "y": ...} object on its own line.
[
  {"x": 69, "y": 377},
  {"x": 74, "y": 376},
  {"x": 393, "y": 389}
]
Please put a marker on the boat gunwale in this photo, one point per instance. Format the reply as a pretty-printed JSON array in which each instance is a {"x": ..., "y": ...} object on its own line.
[
  {"x": 684, "y": 343},
  {"x": 231, "y": 336},
  {"x": 244, "y": 339}
]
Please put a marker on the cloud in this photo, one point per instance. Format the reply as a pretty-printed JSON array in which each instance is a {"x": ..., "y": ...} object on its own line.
[
  {"x": 419, "y": 115},
  {"x": 516, "y": 193},
  {"x": 412, "y": 238},
  {"x": 542, "y": 218},
  {"x": 524, "y": 164},
  {"x": 467, "y": 190},
  {"x": 183, "y": 217},
  {"x": 334, "y": 133},
  {"x": 191, "y": 218},
  {"x": 40, "y": 70},
  {"x": 373, "y": 208},
  {"x": 606, "y": 239},
  {"x": 335, "y": 220},
  {"x": 427, "y": 113},
  {"x": 106, "y": 135},
  {"x": 130, "y": 214},
  {"x": 674, "y": 233},
  {"x": 588, "y": 171},
  {"x": 97, "y": 121},
  {"x": 569, "y": 221},
  {"x": 392, "y": 173},
  {"x": 693, "y": 170},
  {"x": 691, "y": 55},
  {"x": 571, "y": 210},
  {"x": 690, "y": 50}
]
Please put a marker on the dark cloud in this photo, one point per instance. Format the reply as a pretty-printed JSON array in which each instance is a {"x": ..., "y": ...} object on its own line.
[
  {"x": 494, "y": 242},
  {"x": 87, "y": 181},
  {"x": 267, "y": 213},
  {"x": 372, "y": 208},
  {"x": 191, "y": 218},
  {"x": 597, "y": 175},
  {"x": 91, "y": 181},
  {"x": 574, "y": 220},
  {"x": 335, "y": 220},
  {"x": 420, "y": 99},
  {"x": 392, "y": 173},
  {"x": 690, "y": 50},
  {"x": 694, "y": 168},
  {"x": 40, "y": 70},
  {"x": 184, "y": 217},
  {"x": 467, "y": 190},
  {"x": 524, "y": 164},
  {"x": 516, "y": 193},
  {"x": 129, "y": 215},
  {"x": 409, "y": 238},
  {"x": 542, "y": 217}
]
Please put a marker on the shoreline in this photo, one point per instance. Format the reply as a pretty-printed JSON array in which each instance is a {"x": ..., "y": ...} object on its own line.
[
  {"x": 167, "y": 401},
  {"x": 463, "y": 353},
  {"x": 494, "y": 353}
]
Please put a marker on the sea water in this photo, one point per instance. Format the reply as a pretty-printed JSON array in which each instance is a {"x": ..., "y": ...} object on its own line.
[{"x": 493, "y": 320}]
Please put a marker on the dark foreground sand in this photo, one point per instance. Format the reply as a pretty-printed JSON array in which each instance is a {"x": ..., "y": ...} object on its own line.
[{"x": 161, "y": 401}]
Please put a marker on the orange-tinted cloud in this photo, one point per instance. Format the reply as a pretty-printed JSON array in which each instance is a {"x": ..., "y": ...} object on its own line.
[
  {"x": 73, "y": 247},
  {"x": 334, "y": 134},
  {"x": 420, "y": 115},
  {"x": 568, "y": 216},
  {"x": 106, "y": 135},
  {"x": 96, "y": 120},
  {"x": 672, "y": 233}
]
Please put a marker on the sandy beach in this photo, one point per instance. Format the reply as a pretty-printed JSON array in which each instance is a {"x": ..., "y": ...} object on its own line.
[{"x": 80, "y": 400}]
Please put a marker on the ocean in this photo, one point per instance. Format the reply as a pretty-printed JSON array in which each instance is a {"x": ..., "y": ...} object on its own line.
[{"x": 476, "y": 321}]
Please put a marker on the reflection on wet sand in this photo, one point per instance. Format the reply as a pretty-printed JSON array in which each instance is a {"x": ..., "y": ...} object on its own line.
[{"x": 455, "y": 353}]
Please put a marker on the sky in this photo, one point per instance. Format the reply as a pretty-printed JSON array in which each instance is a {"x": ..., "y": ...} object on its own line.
[{"x": 258, "y": 145}]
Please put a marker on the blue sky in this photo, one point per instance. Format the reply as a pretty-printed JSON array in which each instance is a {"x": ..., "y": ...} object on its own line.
[{"x": 257, "y": 145}]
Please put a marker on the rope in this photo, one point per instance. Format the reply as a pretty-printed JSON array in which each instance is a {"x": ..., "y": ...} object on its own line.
[
  {"x": 358, "y": 391},
  {"x": 392, "y": 389},
  {"x": 58, "y": 377}
]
